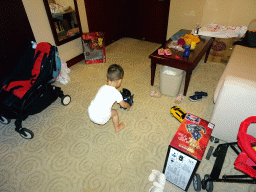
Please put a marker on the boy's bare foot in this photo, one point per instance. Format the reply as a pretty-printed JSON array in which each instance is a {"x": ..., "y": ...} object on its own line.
[{"x": 120, "y": 127}]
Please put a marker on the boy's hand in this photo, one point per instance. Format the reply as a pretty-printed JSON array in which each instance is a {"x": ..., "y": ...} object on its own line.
[
  {"x": 125, "y": 105},
  {"x": 128, "y": 107}
]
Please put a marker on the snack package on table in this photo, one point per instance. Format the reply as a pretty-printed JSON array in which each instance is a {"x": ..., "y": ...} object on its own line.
[{"x": 174, "y": 45}]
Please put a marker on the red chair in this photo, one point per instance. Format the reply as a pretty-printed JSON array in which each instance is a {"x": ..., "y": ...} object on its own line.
[{"x": 245, "y": 161}]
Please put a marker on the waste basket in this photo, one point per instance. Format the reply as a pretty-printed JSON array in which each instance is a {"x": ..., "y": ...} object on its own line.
[{"x": 170, "y": 80}]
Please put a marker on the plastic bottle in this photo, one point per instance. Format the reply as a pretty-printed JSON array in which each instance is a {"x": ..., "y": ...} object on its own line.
[
  {"x": 187, "y": 51},
  {"x": 196, "y": 28}
]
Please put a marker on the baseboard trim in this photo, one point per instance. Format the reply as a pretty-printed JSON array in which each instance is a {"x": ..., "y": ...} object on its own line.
[{"x": 75, "y": 60}]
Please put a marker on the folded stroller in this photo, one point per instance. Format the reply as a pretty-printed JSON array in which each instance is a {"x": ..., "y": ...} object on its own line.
[
  {"x": 28, "y": 89},
  {"x": 245, "y": 161}
]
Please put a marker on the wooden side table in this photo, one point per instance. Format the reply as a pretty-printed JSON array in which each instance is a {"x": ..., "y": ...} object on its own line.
[{"x": 187, "y": 64}]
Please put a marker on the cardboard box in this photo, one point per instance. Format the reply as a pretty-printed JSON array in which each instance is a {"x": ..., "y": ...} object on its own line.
[
  {"x": 186, "y": 150},
  {"x": 222, "y": 49},
  {"x": 193, "y": 136}
]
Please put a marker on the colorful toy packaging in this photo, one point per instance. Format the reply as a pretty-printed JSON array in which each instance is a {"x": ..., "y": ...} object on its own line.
[
  {"x": 186, "y": 150},
  {"x": 192, "y": 136},
  {"x": 94, "y": 47}
]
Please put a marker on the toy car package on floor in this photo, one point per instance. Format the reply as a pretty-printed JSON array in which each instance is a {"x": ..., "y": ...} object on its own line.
[
  {"x": 192, "y": 136},
  {"x": 94, "y": 47},
  {"x": 186, "y": 150}
]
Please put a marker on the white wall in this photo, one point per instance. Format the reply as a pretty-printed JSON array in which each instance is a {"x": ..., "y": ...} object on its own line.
[
  {"x": 229, "y": 12},
  {"x": 42, "y": 31},
  {"x": 184, "y": 14}
]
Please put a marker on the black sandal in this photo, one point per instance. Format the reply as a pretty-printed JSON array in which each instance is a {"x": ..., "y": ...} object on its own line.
[
  {"x": 195, "y": 98},
  {"x": 201, "y": 93}
]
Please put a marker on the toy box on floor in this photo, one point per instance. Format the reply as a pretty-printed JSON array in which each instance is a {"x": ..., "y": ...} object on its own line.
[
  {"x": 186, "y": 150},
  {"x": 94, "y": 47}
]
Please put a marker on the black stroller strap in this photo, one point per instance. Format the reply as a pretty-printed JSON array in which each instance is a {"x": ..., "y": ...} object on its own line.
[
  {"x": 36, "y": 56},
  {"x": 14, "y": 88}
]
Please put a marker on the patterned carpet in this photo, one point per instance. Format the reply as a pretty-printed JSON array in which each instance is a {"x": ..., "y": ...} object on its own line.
[{"x": 70, "y": 153}]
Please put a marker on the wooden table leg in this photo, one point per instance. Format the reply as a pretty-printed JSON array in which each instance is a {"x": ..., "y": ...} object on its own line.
[
  {"x": 187, "y": 80},
  {"x": 153, "y": 70},
  {"x": 207, "y": 53}
]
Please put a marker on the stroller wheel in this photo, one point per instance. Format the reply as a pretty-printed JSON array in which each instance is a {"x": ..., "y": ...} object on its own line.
[
  {"x": 208, "y": 185},
  {"x": 26, "y": 133},
  {"x": 197, "y": 182},
  {"x": 65, "y": 100},
  {"x": 4, "y": 120}
]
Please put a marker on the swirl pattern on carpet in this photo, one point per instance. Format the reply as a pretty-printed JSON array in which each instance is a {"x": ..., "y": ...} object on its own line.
[{"x": 72, "y": 154}]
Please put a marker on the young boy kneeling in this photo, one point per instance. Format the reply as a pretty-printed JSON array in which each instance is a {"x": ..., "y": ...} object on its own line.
[{"x": 100, "y": 108}]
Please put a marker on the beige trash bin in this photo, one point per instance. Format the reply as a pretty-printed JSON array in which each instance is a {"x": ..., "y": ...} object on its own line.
[{"x": 170, "y": 80}]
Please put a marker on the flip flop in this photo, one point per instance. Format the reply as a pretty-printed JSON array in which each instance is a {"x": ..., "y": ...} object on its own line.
[
  {"x": 161, "y": 51},
  {"x": 195, "y": 98},
  {"x": 155, "y": 94},
  {"x": 201, "y": 93},
  {"x": 179, "y": 99},
  {"x": 168, "y": 52}
]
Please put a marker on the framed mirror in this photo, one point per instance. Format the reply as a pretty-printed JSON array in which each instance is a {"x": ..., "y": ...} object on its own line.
[{"x": 64, "y": 20}]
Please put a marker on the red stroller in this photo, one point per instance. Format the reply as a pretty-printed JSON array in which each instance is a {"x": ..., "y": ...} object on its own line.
[{"x": 245, "y": 161}]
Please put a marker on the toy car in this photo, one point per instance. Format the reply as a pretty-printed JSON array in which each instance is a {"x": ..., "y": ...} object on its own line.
[{"x": 178, "y": 113}]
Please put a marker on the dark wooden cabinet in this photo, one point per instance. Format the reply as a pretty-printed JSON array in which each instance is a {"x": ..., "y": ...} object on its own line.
[
  {"x": 156, "y": 21},
  {"x": 141, "y": 19},
  {"x": 15, "y": 31},
  {"x": 105, "y": 16},
  {"x": 135, "y": 17}
]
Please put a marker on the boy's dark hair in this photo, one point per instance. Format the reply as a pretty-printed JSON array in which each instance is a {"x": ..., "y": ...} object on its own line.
[{"x": 115, "y": 72}]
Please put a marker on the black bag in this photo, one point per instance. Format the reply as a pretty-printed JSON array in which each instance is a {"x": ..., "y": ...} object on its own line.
[{"x": 249, "y": 39}]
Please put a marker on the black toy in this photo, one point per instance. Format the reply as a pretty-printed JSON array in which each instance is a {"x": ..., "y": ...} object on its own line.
[{"x": 127, "y": 96}]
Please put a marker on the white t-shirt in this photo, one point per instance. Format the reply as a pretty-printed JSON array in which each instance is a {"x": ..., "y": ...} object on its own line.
[{"x": 100, "y": 107}]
